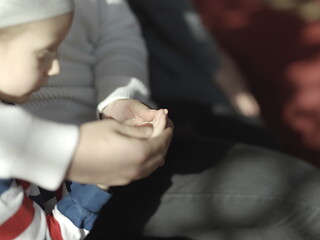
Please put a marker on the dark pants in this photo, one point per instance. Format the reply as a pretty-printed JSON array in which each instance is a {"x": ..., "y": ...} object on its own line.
[{"x": 217, "y": 190}]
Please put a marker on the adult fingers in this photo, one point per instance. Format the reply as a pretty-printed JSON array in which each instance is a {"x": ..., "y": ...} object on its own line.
[
  {"x": 159, "y": 145},
  {"x": 151, "y": 166}
]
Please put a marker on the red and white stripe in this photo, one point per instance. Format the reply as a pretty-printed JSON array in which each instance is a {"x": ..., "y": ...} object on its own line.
[{"x": 23, "y": 219}]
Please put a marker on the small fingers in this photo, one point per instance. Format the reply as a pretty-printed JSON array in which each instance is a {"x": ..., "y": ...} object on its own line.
[
  {"x": 143, "y": 132},
  {"x": 159, "y": 122}
]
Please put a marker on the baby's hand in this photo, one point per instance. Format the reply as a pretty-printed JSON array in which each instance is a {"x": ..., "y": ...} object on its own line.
[{"x": 159, "y": 122}]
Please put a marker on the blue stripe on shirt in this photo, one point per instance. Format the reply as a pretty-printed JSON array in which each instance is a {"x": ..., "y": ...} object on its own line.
[{"x": 5, "y": 184}]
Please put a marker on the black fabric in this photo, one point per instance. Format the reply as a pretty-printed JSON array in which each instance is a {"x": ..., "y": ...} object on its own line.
[
  {"x": 226, "y": 191},
  {"x": 181, "y": 63},
  {"x": 227, "y": 127},
  {"x": 126, "y": 214}
]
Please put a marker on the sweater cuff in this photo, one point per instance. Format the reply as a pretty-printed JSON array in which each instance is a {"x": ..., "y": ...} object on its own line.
[
  {"x": 83, "y": 204},
  {"x": 89, "y": 197},
  {"x": 134, "y": 89}
]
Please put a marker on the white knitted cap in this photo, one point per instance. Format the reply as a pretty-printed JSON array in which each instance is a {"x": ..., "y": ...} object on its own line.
[{"x": 15, "y": 12}]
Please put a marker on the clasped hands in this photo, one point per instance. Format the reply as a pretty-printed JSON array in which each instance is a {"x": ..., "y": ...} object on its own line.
[{"x": 128, "y": 144}]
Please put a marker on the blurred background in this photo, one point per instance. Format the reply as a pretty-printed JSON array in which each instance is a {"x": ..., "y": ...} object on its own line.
[{"x": 276, "y": 47}]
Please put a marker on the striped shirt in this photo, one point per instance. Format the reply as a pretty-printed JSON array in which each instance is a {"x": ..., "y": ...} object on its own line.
[{"x": 28, "y": 212}]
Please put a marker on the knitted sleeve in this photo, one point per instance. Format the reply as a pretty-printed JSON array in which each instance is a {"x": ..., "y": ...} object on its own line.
[
  {"x": 71, "y": 219},
  {"x": 121, "y": 69},
  {"x": 33, "y": 149}
]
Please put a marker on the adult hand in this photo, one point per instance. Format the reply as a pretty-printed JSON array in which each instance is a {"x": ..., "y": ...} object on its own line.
[{"x": 114, "y": 154}]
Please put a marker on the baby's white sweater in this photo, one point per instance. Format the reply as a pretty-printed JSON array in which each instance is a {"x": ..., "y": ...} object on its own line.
[{"x": 102, "y": 59}]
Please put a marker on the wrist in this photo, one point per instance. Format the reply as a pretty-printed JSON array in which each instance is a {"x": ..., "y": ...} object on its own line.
[{"x": 106, "y": 112}]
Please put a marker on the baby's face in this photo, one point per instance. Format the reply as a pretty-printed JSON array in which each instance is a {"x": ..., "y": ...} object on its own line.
[{"x": 30, "y": 57}]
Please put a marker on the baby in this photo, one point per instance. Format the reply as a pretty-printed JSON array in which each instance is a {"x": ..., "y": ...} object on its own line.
[{"x": 30, "y": 34}]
